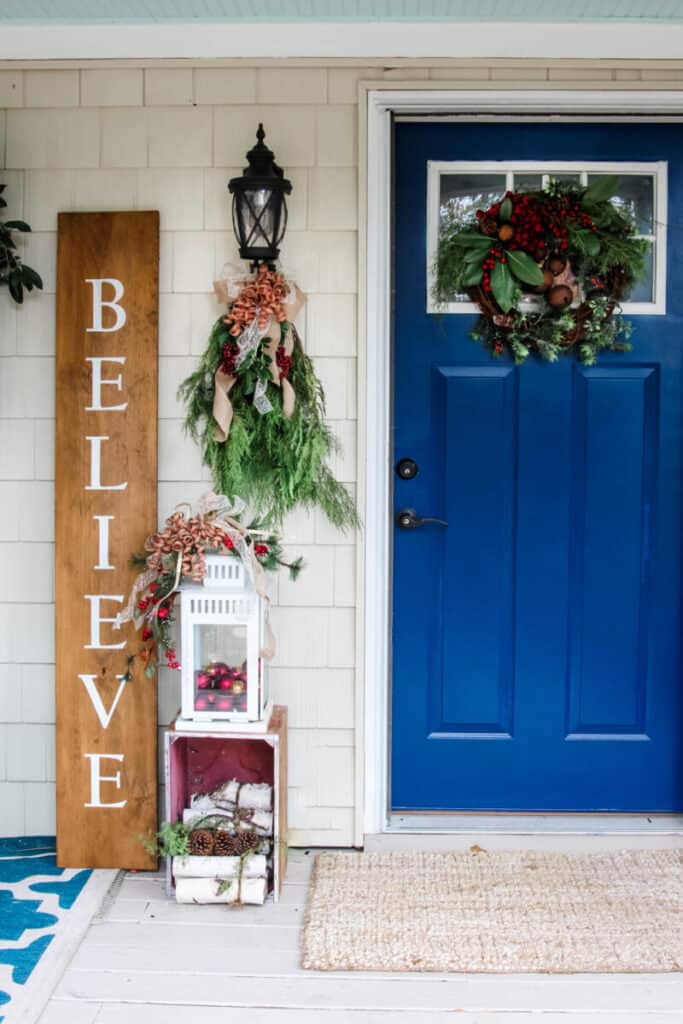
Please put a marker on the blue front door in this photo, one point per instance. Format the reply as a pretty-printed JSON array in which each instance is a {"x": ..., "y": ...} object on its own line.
[{"x": 536, "y": 637}]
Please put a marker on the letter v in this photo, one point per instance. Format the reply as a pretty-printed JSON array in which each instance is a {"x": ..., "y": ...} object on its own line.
[{"x": 104, "y": 716}]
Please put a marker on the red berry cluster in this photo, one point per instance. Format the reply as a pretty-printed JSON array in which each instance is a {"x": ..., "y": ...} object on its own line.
[
  {"x": 529, "y": 225},
  {"x": 494, "y": 255},
  {"x": 283, "y": 361},
  {"x": 172, "y": 658},
  {"x": 562, "y": 210},
  {"x": 537, "y": 222},
  {"x": 229, "y": 358},
  {"x": 144, "y": 602}
]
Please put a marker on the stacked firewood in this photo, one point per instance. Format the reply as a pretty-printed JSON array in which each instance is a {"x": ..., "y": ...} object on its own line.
[{"x": 230, "y": 846}]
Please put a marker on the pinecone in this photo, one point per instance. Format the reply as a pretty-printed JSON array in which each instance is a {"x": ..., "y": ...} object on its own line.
[
  {"x": 245, "y": 842},
  {"x": 201, "y": 842},
  {"x": 225, "y": 844}
]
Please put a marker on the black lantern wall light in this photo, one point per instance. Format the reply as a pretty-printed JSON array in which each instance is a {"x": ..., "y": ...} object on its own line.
[{"x": 259, "y": 207}]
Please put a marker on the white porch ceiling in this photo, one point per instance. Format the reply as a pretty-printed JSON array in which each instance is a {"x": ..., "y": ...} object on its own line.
[{"x": 127, "y": 11}]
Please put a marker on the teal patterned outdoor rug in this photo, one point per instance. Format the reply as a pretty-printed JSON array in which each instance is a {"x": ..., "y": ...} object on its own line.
[{"x": 44, "y": 911}]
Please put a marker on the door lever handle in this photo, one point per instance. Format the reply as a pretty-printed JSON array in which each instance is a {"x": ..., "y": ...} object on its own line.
[{"x": 408, "y": 519}]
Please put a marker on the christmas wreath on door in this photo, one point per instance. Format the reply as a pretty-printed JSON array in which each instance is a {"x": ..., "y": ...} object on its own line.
[{"x": 548, "y": 270}]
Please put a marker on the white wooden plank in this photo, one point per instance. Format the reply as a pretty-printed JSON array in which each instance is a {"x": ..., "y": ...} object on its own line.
[
  {"x": 196, "y": 955},
  {"x": 175, "y": 939},
  {"x": 60, "y": 1011},
  {"x": 217, "y": 1015},
  {"x": 140, "y": 888},
  {"x": 300, "y": 866},
  {"x": 125, "y": 910},
  {"x": 294, "y": 895},
  {"x": 615, "y": 993},
  {"x": 144, "y": 875},
  {"x": 281, "y": 914}
]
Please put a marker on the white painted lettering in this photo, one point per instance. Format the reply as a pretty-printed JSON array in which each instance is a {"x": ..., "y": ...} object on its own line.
[
  {"x": 98, "y": 304},
  {"x": 103, "y": 543},
  {"x": 96, "y": 468},
  {"x": 96, "y": 620},
  {"x": 104, "y": 716},
  {"x": 98, "y": 380},
  {"x": 96, "y": 780}
]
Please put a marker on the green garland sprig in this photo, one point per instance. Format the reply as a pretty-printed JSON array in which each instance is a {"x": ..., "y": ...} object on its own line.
[
  {"x": 569, "y": 246},
  {"x": 273, "y": 462}
]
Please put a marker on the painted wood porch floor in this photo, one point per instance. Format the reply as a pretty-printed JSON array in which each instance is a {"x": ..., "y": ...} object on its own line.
[{"x": 146, "y": 960}]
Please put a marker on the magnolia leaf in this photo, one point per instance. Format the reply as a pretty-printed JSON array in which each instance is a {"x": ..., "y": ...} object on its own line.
[
  {"x": 505, "y": 211},
  {"x": 474, "y": 255},
  {"x": 471, "y": 240},
  {"x": 590, "y": 242},
  {"x": 524, "y": 268},
  {"x": 601, "y": 189},
  {"x": 472, "y": 276},
  {"x": 503, "y": 286}
]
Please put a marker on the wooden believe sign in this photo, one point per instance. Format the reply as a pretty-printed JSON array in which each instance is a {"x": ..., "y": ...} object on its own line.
[{"x": 105, "y": 491}]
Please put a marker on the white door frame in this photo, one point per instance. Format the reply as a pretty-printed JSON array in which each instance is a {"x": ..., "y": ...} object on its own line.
[{"x": 378, "y": 104}]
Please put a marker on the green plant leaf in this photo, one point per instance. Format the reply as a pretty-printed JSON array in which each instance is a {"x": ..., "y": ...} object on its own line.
[
  {"x": 524, "y": 268},
  {"x": 505, "y": 210},
  {"x": 503, "y": 286},
  {"x": 474, "y": 255},
  {"x": 467, "y": 240},
  {"x": 16, "y": 289},
  {"x": 590, "y": 243},
  {"x": 17, "y": 225},
  {"x": 472, "y": 276},
  {"x": 601, "y": 189}
]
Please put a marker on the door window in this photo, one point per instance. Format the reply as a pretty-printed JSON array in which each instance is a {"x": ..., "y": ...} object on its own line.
[{"x": 455, "y": 190}]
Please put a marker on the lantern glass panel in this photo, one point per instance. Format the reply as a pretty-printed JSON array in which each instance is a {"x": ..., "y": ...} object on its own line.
[
  {"x": 259, "y": 216},
  {"x": 220, "y": 667}
]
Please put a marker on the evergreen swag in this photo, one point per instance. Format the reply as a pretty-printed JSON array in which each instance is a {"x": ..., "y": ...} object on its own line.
[
  {"x": 271, "y": 461},
  {"x": 568, "y": 245}
]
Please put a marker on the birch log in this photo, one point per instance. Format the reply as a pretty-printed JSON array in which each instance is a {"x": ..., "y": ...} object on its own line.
[
  {"x": 207, "y": 890},
  {"x": 219, "y": 867},
  {"x": 256, "y": 796}
]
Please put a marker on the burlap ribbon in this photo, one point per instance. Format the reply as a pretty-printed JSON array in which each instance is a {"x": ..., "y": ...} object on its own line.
[{"x": 223, "y": 382}]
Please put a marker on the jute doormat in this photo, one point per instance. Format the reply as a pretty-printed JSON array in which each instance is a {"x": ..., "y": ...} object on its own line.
[{"x": 498, "y": 912}]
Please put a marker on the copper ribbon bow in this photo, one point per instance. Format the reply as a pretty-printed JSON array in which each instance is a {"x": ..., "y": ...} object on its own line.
[
  {"x": 221, "y": 513},
  {"x": 223, "y": 382}
]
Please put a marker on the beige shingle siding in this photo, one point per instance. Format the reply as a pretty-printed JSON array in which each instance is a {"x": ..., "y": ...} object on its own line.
[{"x": 169, "y": 137}]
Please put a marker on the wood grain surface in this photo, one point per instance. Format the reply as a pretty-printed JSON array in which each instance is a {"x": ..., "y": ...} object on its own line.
[{"x": 121, "y": 247}]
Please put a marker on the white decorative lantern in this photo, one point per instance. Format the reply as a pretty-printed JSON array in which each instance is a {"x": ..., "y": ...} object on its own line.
[{"x": 222, "y": 623}]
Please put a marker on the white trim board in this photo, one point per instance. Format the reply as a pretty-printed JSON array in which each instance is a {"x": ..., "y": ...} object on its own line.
[
  {"x": 393, "y": 39},
  {"x": 532, "y": 824},
  {"x": 378, "y": 106}
]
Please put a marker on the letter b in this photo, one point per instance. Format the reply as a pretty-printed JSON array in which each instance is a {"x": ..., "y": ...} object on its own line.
[{"x": 98, "y": 304}]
